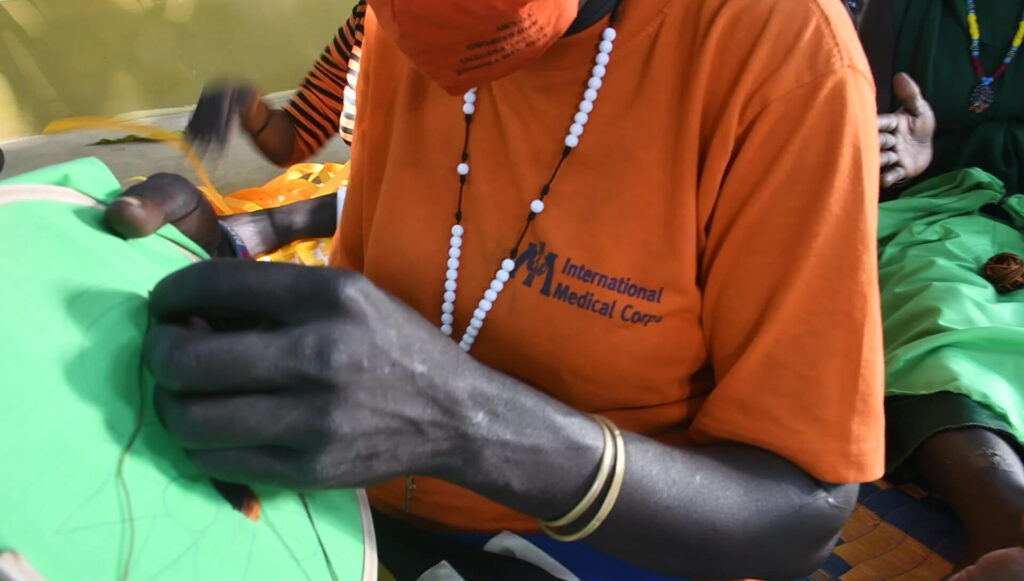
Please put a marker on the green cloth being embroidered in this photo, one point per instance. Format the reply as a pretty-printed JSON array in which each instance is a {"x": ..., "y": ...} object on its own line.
[
  {"x": 946, "y": 328},
  {"x": 73, "y": 302}
]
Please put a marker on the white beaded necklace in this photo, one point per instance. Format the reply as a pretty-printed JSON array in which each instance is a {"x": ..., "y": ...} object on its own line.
[{"x": 501, "y": 276}]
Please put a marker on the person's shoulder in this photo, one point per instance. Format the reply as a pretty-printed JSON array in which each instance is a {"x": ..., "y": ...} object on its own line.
[
  {"x": 827, "y": 22},
  {"x": 757, "y": 52},
  {"x": 817, "y": 35}
]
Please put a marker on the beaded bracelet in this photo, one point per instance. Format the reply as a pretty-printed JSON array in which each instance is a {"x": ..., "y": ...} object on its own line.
[{"x": 613, "y": 489}]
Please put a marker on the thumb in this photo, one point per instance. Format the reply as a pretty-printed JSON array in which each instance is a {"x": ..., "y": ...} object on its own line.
[
  {"x": 165, "y": 199},
  {"x": 909, "y": 94}
]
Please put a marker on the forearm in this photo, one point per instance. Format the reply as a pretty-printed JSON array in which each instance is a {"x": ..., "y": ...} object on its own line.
[
  {"x": 267, "y": 230},
  {"x": 723, "y": 512},
  {"x": 709, "y": 512}
]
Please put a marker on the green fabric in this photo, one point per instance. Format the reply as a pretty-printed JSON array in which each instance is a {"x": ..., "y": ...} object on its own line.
[
  {"x": 93, "y": 178},
  {"x": 946, "y": 328},
  {"x": 73, "y": 302},
  {"x": 87, "y": 175},
  {"x": 948, "y": 333},
  {"x": 932, "y": 46}
]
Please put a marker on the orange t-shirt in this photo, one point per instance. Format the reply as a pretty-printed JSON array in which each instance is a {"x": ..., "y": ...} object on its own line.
[{"x": 704, "y": 270}]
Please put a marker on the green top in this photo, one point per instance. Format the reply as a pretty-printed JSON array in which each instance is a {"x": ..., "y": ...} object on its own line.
[
  {"x": 932, "y": 44},
  {"x": 73, "y": 304}
]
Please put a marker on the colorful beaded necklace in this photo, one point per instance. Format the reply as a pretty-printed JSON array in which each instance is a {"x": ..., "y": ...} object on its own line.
[{"x": 983, "y": 96}]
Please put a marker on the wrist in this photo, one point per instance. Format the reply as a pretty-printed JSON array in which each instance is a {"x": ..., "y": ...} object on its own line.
[
  {"x": 239, "y": 249},
  {"x": 255, "y": 115},
  {"x": 251, "y": 230},
  {"x": 268, "y": 230},
  {"x": 521, "y": 448},
  {"x": 263, "y": 126},
  {"x": 313, "y": 218}
]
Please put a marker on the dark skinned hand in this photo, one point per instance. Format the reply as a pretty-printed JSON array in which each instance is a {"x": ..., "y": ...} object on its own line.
[
  {"x": 311, "y": 378},
  {"x": 220, "y": 107},
  {"x": 171, "y": 199},
  {"x": 300, "y": 377},
  {"x": 168, "y": 199},
  {"x": 905, "y": 137}
]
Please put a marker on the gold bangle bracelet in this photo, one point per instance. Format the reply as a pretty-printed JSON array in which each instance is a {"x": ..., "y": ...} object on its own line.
[
  {"x": 613, "y": 490},
  {"x": 607, "y": 455}
]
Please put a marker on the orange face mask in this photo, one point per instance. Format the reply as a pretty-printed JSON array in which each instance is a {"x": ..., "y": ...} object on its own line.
[{"x": 463, "y": 43}]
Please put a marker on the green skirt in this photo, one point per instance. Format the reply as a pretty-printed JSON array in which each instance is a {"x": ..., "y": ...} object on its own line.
[{"x": 954, "y": 347}]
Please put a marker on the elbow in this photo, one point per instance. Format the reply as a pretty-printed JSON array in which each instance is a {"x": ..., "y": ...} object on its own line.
[
  {"x": 783, "y": 535},
  {"x": 811, "y": 531}
]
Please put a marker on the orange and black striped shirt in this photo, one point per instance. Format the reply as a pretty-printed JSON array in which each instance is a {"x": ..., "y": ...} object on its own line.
[{"x": 325, "y": 104}]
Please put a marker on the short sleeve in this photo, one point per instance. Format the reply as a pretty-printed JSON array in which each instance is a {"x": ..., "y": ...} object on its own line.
[
  {"x": 791, "y": 307},
  {"x": 325, "y": 104}
]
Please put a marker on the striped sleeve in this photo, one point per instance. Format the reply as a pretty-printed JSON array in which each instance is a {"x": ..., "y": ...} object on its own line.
[{"x": 326, "y": 102}]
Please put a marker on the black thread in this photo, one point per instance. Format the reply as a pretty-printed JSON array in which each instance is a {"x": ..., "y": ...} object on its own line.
[
  {"x": 122, "y": 482},
  {"x": 129, "y": 509},
  {"x": 615, "y": 14},
  {"x": 462, "y": 178},
  {"x": 319, "y": 539},
  {"x": 544, "y": 191}
]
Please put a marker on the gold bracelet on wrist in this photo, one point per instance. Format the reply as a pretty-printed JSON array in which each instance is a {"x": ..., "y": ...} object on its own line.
[
  {"x": 611, "y": 496},
  {"x": 607, "y": 455}
]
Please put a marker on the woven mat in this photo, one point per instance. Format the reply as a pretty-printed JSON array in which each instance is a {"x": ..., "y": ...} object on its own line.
[{"x": 895, "y": 533}]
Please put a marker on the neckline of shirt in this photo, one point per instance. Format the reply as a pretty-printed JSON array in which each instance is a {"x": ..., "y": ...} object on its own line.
[
  {"x": 575, "y": 51},
  {"x": 591, "y": 12}
]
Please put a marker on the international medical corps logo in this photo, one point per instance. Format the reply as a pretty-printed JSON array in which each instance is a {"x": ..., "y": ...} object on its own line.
[
  {"x": 539, "y": 263},
  {"x": 577, "y": 285}
]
